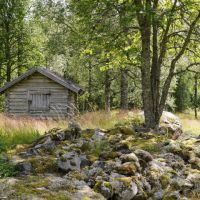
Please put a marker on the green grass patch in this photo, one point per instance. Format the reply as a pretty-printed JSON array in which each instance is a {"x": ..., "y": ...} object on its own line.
[{"x": 10, "y": 137}]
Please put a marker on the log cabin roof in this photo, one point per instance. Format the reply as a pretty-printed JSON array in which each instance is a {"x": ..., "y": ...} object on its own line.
[{"x": 49, "y": 74}]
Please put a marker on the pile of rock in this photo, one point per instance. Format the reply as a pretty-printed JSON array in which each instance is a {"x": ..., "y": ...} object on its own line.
[{"x": 110, "y": 164}]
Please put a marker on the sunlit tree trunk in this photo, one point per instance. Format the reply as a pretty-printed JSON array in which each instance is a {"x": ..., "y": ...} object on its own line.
[
  {"x": 124, "y": 89},
  {"x": 107, "y": 91}
]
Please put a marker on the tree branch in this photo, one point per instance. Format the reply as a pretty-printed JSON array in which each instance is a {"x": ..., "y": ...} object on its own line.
[
  {"x": 173, "y": 63},
  {"x": 186, "y": 69},
  {"x": 164, "y": 41}
]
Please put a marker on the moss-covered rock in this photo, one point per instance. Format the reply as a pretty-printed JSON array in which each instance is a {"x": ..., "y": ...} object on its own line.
[{"x": 128, "y": 168}]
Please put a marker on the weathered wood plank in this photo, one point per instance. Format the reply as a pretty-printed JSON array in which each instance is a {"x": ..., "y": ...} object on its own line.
[{"x": 58, "y": 100}]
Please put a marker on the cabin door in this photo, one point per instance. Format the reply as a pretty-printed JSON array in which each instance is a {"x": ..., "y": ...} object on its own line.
[{"x": 39, "y": 101}]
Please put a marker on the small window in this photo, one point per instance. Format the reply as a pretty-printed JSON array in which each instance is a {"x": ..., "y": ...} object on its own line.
[{"x": 39, "y": 101}]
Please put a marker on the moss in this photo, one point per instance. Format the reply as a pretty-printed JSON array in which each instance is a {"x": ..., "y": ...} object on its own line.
[
  {"x": 165, "y": 180},
  {"x": 108, "y": 185},
  {"x": 126, "y": 180},
  {"x": 86, "y": 198},
  {"x": 43, "y": 164},
  {"x": 127, "y": 168},
  {"x": 97, "y": 186},
  {"x": 127, "y": 130},
  {"x": 86, "y": 147},
  {"x": 77, "y": 175},
  {"x": 88, "y": 133},
  {"x": 30, "y": 187},
  {"x": 109, "y": 155}
]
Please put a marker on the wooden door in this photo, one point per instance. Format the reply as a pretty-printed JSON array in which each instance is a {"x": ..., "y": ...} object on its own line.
[{"x": 39, "y": 101}]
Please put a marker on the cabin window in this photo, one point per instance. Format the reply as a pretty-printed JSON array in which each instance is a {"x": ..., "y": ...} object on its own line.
[{"x": 39, "y": 101}]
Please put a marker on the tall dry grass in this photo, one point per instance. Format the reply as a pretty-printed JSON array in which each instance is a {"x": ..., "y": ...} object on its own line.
[
  {"x": 105, "y": 120},
  {"x": 23, "y": 130},
  {"x": 190, "y": 124}
]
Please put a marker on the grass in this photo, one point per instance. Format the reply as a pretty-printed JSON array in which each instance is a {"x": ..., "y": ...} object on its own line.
[
  {"x": 12, "y": 137},
  {"x": 104, "y": 120},
  {"x": 22, "y": 131},
  {"x": 16, "y": 131},
  {"x": 190, "y": 124},
  {"x": 19, "y": 131}
]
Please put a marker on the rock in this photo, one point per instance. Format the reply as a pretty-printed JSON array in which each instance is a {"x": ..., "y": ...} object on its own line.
[
  {"x": 143, "y": 155},
  {"x": 46, "y": 144},
  {"x": 104, "y": 188},
  {"x": 126, "y": 130},
  {"x": 123, "y": 147},
  {"x": 158, "y": 195},
  {"x": 128, "y": 168},
  {"x": 71, "y": 161},
  {"x": 71, "y": 134},
  {"x": 181, "y": 184},
  {"x": 170, "y": 123},
  {"x": 98, "y": 135},
  {"x": 83, "y": 191},
  {"x": 130, "y": 158},
  {"x": 172, "y": 146},
  {"x": 59, "y": 135},
  {"x": 24, "y": 167},
  {"x": 168, "y": 117},
  {"x": 119, "y": 169},
  {"x": 75, "y": 129},
  {"x": 173, "y": 161},
  {"x": 124, "y": 188},
  {"x": 108, "y": 155},
  {"x": 194, "y": 179},
  {"x": 172, "y": 196}
]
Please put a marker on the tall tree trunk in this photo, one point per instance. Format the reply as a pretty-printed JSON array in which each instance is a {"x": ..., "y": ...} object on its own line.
[
  {"x": 155, "y": 69},
  {"x": 195, "y": 95},
  {"x": 107, "y": 91},
  {"x": 89, "y": 87},
  {"x": 124, "y": 89},
  {"x": 19, "y": 54},
  {"x": 8, "y": 52},
  {"x": 145, "y": 31},
  {"x": 153, "y": 101}
]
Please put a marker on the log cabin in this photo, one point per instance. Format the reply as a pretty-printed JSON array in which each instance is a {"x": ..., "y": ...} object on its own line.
[{"x": 41, "y": 93}]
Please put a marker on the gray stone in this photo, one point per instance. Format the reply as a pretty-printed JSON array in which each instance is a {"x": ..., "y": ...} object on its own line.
[
  {"x": 143, "y": 155},
  {"x": 158, "y": 195},
  {"x": 98, "y": 135},
  {"x": 129, "y": 158},
  {"x": 71, "y": 161},
  {"x": 172, "y": 196},
  {"x": 24, "y": 167}
]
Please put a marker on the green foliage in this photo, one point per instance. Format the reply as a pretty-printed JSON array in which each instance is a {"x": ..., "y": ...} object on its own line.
[
  {"x": 16, "y": 136},
  {"x": 83, "y": 40},
  {"x": 7, "y": 169},
  {"x": 98, "y": 147},
  {"x": 182, "y": 94}
]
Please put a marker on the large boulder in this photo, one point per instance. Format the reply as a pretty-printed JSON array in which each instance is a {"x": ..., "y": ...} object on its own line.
[
  {"x": 71, "y": 161},
  {"x": 169, "y": 123}
]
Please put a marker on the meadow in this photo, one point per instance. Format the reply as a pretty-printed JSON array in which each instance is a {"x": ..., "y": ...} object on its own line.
[{"x": 24, "y": 130}]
